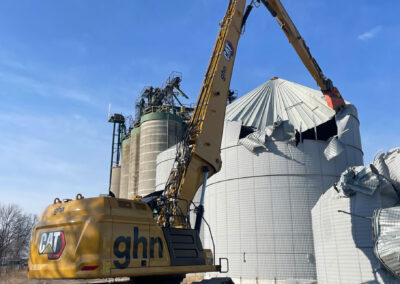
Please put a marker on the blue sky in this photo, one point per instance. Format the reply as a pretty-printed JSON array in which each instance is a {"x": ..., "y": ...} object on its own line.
[{"x": 63, "y": 62}]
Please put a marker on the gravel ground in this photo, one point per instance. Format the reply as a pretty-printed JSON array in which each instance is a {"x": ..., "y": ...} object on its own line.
[{"x": 20, "y": 277}]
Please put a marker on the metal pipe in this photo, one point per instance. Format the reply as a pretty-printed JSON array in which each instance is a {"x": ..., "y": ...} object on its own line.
[
  {"x": 200, "y": 208},
  {"x": 203, "y": 189},
  {"x": 120, "y": 128},
  {"x": 112, "y": 158}
]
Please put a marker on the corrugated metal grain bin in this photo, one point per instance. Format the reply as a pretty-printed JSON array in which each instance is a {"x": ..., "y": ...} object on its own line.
[
  {"x": 343, "y": 229},
  {"x": 165, "y": 162},
  {"x": 259, "y": 204}
]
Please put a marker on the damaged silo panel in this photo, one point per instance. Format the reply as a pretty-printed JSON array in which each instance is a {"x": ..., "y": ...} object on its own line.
[
  {"x": 304, "y": 107},
  {"x": 259, "y": 204},
  {"x": 342, "y": 228},
  {"x": 348, "y": 128},
  {"x": 334, "y": 148},
  {"x": 387, "y": 238},
  {"x": 389, "y": 165}
]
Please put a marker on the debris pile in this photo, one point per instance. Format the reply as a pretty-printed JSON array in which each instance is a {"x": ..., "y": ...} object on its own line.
[{"x": 356, "y": 224}]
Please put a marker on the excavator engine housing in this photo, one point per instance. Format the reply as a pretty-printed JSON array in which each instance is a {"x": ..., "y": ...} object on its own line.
[{"x": 106, "y": 237}]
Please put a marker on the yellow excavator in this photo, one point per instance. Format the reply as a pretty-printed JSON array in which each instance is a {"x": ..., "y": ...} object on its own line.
[{"x": 150, "y": 239}]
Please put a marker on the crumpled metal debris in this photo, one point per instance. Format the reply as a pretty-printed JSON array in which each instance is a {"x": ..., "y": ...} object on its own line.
[
  {"x": 334, "y": 148},
  {"x": 281, "y": 130},
  {"x": 386, "y": 228},
  {"x": 254, "y": 141},
  {"x": 359, "y": 179},
  {"x": 388, "y": 164},
  {"x": 383, "y": 175}
]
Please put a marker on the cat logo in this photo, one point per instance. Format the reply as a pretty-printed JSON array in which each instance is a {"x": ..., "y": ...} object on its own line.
[
  {"x": 228, "y": 50},
  {"x": 52, "y": 244}
]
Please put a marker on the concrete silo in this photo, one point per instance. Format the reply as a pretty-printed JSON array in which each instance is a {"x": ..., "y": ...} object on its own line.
[
  {"x": 134, "y": 162},
  {"x": 123, "y": 190},
  {"x": 115, "y": 180},
  {"x": 159, "y": 130},
  {"x": 259, "y": 204}
]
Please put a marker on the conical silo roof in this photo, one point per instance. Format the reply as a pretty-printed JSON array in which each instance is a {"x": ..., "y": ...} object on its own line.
[{"x": 302, "y": 106}]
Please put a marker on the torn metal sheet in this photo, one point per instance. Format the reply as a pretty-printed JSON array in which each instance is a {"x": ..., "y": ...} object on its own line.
[
  {"x": 380, "y": 165},
  {"x": 343, "y": 243},
  {"x": 280, "y": 130},
  {"x": 386, "y": 221},
  {"x": 334, "y": 148},
  {"x": 386, "y": 226},
  {"x": 254, "y": 141},
  {"x": 347, "y": 119},
  {"x": 388, "y": 164},
  {"x": 304, "y": 107},
  {"x": 359, "y": 179},
  {"x": 346, "y": 245},
  {"x": 269, "y": 130}
]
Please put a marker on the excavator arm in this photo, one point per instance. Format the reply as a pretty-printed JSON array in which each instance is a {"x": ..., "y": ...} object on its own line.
[
  {"x": 198, "y": 155},
  {"x": 332, "y": 94}
]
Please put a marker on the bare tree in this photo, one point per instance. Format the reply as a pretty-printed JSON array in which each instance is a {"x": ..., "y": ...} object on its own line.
[{"x": 15, "y": 232}]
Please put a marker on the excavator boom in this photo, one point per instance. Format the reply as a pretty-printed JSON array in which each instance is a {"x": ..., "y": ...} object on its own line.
[
  {"x": 332, "y": 94},
  {"x": 199, "y": 151}
]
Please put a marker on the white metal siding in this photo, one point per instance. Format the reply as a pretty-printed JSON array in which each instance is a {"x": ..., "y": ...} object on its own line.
[
  {"x": 343, "y": 243},
  {"x": 259, "y": 206}
]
